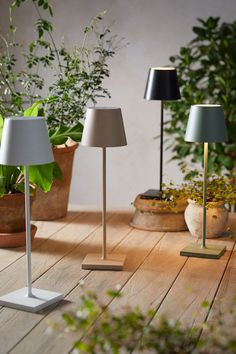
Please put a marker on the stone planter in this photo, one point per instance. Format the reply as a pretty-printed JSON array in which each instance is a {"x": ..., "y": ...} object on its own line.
[
  {"x": 216, "y": 219},
  {"x": 155, "y": 215},
  {"x": 12, "y": 220},
  {"x": 54, "y": 204}
]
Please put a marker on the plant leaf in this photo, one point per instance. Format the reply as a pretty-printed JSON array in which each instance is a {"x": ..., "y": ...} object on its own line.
[
  {"x": 33, "y": 110},
  {"x": 42, "y": 176},
  {"x": 62, "y": 133}
]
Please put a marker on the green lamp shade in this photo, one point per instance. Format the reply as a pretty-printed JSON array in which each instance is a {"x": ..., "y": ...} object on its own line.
[{"x": 206, "y": 123}]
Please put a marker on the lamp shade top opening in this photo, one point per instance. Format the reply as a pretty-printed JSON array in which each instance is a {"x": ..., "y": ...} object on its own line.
[
  {"x": 162, "y": 84},
  {"x": 163, "y": 68},
  {"x": 25, "y": 141},
  {"x": 104, "y": 127},
  {"x": 206, "y": 123}
]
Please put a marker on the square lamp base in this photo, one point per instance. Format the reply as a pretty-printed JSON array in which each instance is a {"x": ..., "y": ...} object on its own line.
[
  {"x": 195, "y": 250},
  {"x": 112, "y": 262},
  {"x": 19, "y": 300}
]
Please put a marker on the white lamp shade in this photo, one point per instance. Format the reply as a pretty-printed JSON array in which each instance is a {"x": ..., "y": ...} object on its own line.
[
  {"x": 25, "y": 141},
  {"x": 104, "y": 128}
]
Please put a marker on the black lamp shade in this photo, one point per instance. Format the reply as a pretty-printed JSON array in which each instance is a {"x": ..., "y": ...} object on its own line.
[{"x": 162, "y": 84}]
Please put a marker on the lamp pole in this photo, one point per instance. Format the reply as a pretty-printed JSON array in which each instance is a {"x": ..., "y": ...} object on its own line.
[
  {"x": 28, "y": 236},
  {"x": 104, "y": 245},
  {"x": 204, "y": 195},
  {"x": 161, "y": 146}
]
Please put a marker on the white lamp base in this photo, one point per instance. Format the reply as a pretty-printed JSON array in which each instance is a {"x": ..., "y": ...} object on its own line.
[
  {"x": 19, "y": 300},
  {"x": 112, "y": 262}
]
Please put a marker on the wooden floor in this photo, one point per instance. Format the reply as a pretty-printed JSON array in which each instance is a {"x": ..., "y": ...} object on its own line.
[{"x": 154, "y": 276}]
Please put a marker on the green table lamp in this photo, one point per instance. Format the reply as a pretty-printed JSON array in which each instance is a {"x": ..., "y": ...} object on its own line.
[{"x": 206, "y": 124}]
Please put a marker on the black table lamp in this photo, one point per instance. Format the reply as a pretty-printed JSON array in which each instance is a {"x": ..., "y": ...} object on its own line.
[{"x": 162, "y": 85}]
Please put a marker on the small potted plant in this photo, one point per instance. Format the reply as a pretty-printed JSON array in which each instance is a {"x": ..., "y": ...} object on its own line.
[
  {"x": 12, "y": 208},
  {"x": 12, "y": 203},
  {"x": 165, "y": 214},
  {"x": 220, "y": 192}
]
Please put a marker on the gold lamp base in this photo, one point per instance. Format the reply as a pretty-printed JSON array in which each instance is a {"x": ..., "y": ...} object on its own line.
[
  {"x": 94, "y": 261},
  {"x": 195, "y": 250}
]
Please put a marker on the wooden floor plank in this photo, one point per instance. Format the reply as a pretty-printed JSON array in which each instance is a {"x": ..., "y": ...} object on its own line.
[
  {"x": 151, "y": 282},
  {"x": 154, "y": 275},
  {"x": 137, "y": 245},
  {"x": 45, "y": 230},
  {"x": 225, "y": 298},
  {"x": 226, "y": 294},
  {"x": 64, "y": 275},
  {"x": 198, "y": 281},
  {"x": 50, "y": 252}
]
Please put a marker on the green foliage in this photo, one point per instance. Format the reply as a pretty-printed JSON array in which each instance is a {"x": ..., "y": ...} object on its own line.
[
  {"x": 219, "y": 188},
  {"x": 78, "y": 80},
  {"x": 83, "y": 71},
  {"x": 171, "y": 196},
  {"x": 10, "y": 179},
  {"x": 61, "y": 134},
  {"x": 58, "y": 135},
  {"x": 78, "y": 74},
  {"x": 42, "y": 176},
  {"x": 100, "y": 330},
  {"x": 206, "y": 73}
]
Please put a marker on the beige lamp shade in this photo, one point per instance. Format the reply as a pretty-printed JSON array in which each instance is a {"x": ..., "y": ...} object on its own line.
[
  {"x": 25, "y": 142},
  {"x": 103, "y": 128}
]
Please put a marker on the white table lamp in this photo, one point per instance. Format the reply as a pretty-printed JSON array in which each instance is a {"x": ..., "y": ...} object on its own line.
[
  {"x": 25, "y": 142},
  {"x": 104, "y": 128}
]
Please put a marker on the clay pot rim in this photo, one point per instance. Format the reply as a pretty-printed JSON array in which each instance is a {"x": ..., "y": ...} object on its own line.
[
  {"x": 16, "y": 196},
  {"x": 211, "y": 204},
  {"x": 160, "y": 205},
  {"x": 19, "y": 195},
  {"x": 62, "y": 149},
  {"x": 16, "y": 239},
  {"x": 33, "y": 228}
]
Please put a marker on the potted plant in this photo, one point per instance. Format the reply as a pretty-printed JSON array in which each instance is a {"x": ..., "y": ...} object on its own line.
[
  {"x": 54, "y": 203},
  {"x": 12, "y": 208},
  {"x": 220, "y": 192},
  {"x": 12, "y": 203},
  {"x": 165, "y": 214},
  {"x": 78, "y": 80},
  {"x": 206, "y": 72}
]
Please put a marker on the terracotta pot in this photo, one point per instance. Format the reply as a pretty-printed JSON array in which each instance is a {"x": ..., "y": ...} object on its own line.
[
  {"x": 54, "y": 204},
  {"x": 216, "y": 219},
  {"x": 12, "y": 220},
  {"x": 16, "y": 239},
  {"x": 155, "y": 215}
]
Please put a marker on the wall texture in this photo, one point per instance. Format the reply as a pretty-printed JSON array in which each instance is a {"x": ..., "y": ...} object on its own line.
[{"x": 155, "y": 29}]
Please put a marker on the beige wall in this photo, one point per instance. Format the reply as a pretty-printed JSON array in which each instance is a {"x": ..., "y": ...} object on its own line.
[{"x": 155, "y": 29}]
